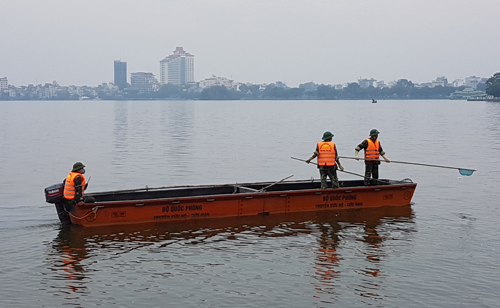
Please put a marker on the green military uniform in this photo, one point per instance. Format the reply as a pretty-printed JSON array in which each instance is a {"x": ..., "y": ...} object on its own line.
[
  {"x": 371, "y": 167},
  {"x": 78, "y": 189},
  {"x": 327, "y": 171}
]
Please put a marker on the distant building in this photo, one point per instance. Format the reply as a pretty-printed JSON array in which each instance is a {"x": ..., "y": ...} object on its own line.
[
  {"x": 216, "y": 81},
  {"x": 424, "y": 85},
  {"x": 143, "y": 82},
  {"x": 436, "y": 83},
  {"x": 440, "y": 81},
  {"x": 178, "y": 68},
  {"x": 443, "y": 81},
  {"x": 468, "y": 94},
  {"x": 4, "y": 84},
  {"x": 472, "y": 81},
  {"x": 120, "y": 74},
  {"x": 280, "y": 84},
  {"x": 309, "y": 86},
  {"x": 365, "y": 83},
  {"x": 458, "y": 82}
]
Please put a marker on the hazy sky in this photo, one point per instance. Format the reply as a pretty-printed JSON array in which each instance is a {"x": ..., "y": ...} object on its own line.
[{"x": 258, "y": 41}]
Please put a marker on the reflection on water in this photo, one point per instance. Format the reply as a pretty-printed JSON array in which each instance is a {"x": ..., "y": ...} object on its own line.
[
  {"x": 177, "y": 131},
  {"x": 327, "y": 261},
  {"x": 259, "y": 262},
  {"x": 493, "y": 117},
  {"x": 371, "y": 228},
  {"x": 72, "y": 251},
  {"x": 77, "y": 254},
  {"x": 155, "y": 136},
  {"x": 120, "y": 131}
]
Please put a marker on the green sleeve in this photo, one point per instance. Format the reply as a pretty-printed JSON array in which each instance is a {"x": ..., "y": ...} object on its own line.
[
  {"x": 380, "y": 150},
  {"x": 362, "y": 145},
  {"x": 317, "y": 151},
  {"x": 78, "y": 189}
]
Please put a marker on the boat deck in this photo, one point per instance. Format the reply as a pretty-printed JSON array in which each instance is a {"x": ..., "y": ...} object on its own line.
[
  {"x": 238, "y": 199},
  {"x": 226, "y": 189}
]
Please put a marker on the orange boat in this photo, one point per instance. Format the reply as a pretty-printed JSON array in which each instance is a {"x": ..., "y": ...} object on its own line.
[{"x": 229, "y": 200}]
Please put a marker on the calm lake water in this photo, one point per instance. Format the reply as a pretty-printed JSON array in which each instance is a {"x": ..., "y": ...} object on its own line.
[{"x": 441, "y": 251}]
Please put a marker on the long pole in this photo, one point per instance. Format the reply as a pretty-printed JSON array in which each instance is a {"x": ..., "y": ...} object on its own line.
[
  {"x": 463, "y": 171},
  {"x": 264, "y": 188},
  {"x": 365, "y": 177}
]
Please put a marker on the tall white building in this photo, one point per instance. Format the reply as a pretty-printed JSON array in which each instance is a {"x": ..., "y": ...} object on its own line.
[{"x": 177, "y": 68}]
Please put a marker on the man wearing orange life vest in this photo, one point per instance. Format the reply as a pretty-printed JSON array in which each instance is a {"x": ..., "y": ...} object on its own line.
[
  {"x": 373, "y": 151},
  {"x": 328, "y": 160},
  {"x": 75, "y": 185}
]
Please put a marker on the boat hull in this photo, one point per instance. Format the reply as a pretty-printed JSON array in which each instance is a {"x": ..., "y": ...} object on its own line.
[{"x": 206, "y": 202}]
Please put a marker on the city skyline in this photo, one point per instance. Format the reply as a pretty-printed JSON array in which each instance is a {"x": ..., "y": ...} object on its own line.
[
  {"x": 468, "y": 81},
  {"x": 262, "y": 42}
]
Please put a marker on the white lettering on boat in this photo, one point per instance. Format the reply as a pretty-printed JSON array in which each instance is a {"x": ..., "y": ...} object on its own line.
[
  {"x": 349, "y": 197},
  {"x": 329, "y": 205},
  {"x": 339, "y": 197},
  {"x": 182, "y": 208},
  {"x": 337, "y": 205},
  {"x": 118, "y": 214},
  {"x": 177, "y": 216},
  {"x": 332, "y": 197},
  {"x": 175, "y": 209}
]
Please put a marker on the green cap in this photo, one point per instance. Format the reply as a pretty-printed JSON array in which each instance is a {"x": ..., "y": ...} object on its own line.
[
  {"x": 374, "y": 132},
  {"x": 327, "y": 135},
  {"x": 77, "y": 166}
]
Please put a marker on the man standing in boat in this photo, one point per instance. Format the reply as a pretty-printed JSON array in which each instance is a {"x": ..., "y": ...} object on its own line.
[
  {"x": 328, "y": 160},
  {"x": 373, "y": 151},
  {"x": 75, "y": 186}
]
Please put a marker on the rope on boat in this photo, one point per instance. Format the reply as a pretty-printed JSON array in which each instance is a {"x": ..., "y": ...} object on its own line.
[{"x": 93, "y": 211}]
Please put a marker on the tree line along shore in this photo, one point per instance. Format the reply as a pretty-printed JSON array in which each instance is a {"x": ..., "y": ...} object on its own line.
[{"x": 402, "y": 89}]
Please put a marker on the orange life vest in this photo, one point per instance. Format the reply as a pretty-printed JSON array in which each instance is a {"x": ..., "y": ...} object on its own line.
[
  {"x": 327, "y": 154},
  {"x": 69, "y": 185},
  {"x": 372, "y": 152}
]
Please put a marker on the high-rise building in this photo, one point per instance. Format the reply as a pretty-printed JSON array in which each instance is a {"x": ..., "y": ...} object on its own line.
[
  {"x": 178, "y": 68},
  {"x": 143, "y": 82},
  {"x": 120, "y": 74}
]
